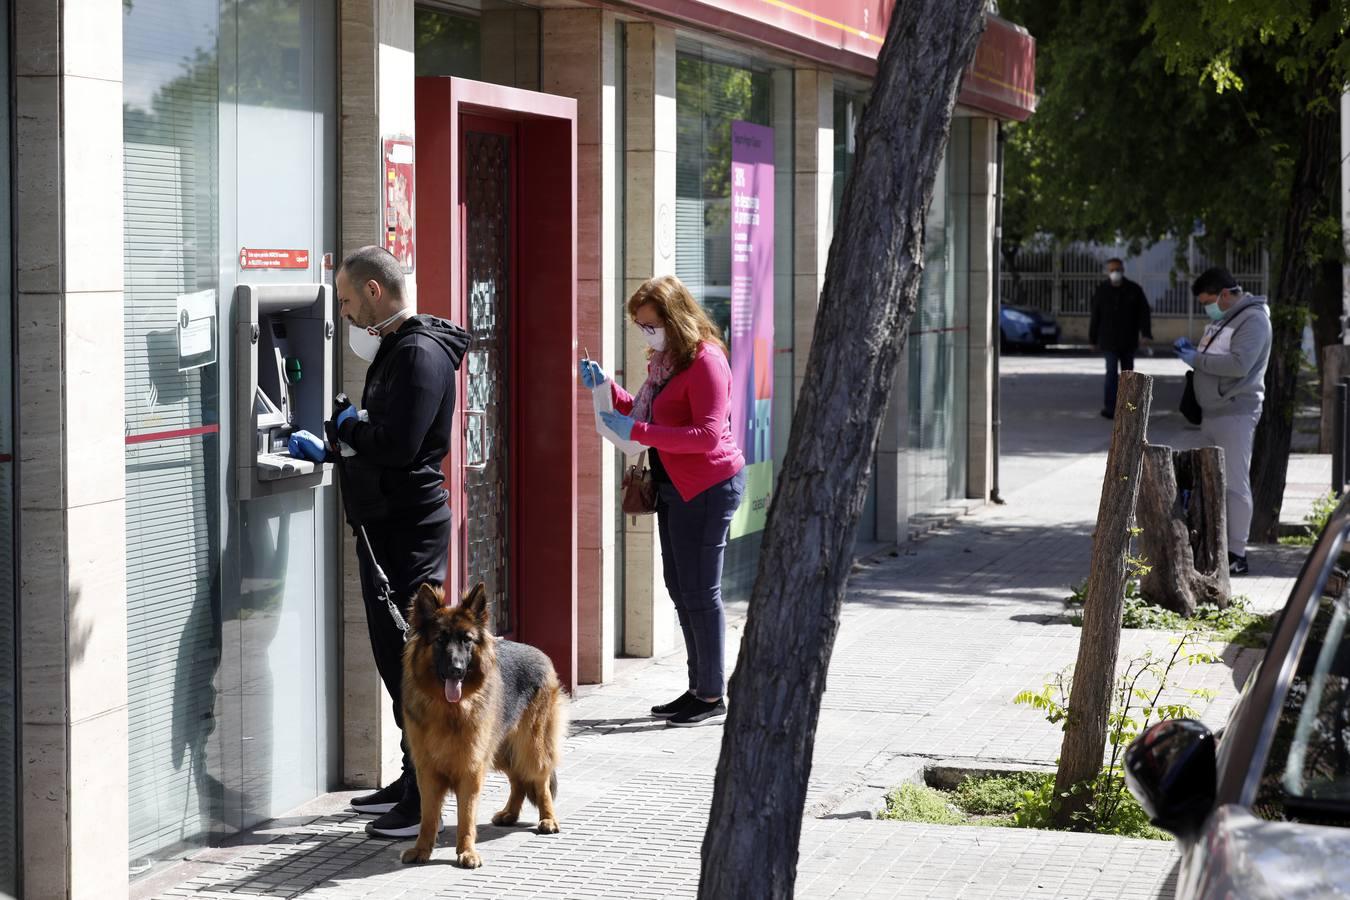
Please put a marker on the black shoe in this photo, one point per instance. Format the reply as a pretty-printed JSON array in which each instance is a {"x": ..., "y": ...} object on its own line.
[
  {"x": 666, "y": 710},
  {"x": 383, "y": 800},
  {"x": 1237, "y": 565},
  {"x": 1107, "y": 414},
  {"x": 403, "y": 821},
  {"x": 698, "y": 712}
]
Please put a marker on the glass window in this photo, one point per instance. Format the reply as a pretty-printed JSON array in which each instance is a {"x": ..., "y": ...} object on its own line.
[
  {"x": 1307, "y": 772},
  {"x": 496, "y": 41},
  {"x": 447, "y": 44},
  {"x": 713, "y": 90}
]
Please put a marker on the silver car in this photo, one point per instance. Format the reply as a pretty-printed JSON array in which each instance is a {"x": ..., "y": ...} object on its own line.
[{"x": 1264, "y": 812}]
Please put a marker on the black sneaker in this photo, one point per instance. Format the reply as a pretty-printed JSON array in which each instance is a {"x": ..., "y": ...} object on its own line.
[
  {"x": 698, "y": 712},
  {"x": 1237, "y": 565},
  {"x": 666, "y": 710},
  {"x": 403, "y": 821},
  {"x": 383, "y": 800}
]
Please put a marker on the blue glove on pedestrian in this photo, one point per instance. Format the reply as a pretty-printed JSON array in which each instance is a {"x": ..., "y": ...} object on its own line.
[
  {"x": 1183, "y": 343},
  {"x": 1187, "y": 355},
  {"x": 620, "y": 424},
  {"x": 348, "y": 413},
  {"x": 304, "y": 445},
  {"x": 592, "y": 376}
]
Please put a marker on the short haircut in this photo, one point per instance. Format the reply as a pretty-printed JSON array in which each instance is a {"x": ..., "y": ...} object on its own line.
[
  {"x": 1213, "y": 281},
  {"x": 1116, "y": 259},
  {"x": 375, "y": 264}
]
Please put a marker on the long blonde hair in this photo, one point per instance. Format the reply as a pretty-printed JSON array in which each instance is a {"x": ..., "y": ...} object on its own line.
[{"x": 687, "y": 325}]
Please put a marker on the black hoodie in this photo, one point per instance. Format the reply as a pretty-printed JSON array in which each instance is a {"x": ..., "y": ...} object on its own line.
[{"x": 410, "y": 399}]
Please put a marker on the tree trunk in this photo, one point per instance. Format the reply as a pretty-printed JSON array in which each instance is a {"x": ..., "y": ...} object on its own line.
[
  {"x": 1313, "y": 174},
  {"x": 871, "y": 282},
  {"x": 1080, "y": 756},
  {"x": 1328, "y": 303},
  {"x": 1183, "y": 542},
  {"x": 1335, "y": 366}
]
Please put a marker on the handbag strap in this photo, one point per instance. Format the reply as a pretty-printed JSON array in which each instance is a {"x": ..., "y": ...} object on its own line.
[{"x": 1229, "y": 324}]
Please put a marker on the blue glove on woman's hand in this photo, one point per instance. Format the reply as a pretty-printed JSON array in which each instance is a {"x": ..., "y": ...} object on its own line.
[
  {"x": 592, "y": 376},
  {"x": 1187, "y": 355},
  {"x": 304, "y": 445},
  {"x": 348, "y": 413},
  {"x": 618, "y": 423}
]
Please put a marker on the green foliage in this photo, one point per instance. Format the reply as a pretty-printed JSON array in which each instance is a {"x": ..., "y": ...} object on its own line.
[
  {"x": 998, "y": 794},
  {"x": 1137, "y": 702},
  {"x": 1314, "y": 521},
  {"x": 1235, "y": 624},
  {"x": 919, "y": 803}
]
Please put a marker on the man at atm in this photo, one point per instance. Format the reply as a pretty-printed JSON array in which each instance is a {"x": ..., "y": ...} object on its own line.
[{"x": 394, "y": 482}]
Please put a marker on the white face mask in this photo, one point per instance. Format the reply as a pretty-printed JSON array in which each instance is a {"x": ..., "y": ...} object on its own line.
[
  {"x": 365, "y": 342},
  {"x": 1116, "y": 277},
  {"x": 656, "y": 341}
]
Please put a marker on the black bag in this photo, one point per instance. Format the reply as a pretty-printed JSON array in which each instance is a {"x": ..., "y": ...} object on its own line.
[{"x": 1190, "y": 407}]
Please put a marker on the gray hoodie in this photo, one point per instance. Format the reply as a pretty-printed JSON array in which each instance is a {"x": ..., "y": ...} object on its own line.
[{"x": 1230, "y": 369}]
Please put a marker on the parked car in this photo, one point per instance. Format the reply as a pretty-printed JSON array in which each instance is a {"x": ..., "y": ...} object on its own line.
[
  {"x": 1263, "y": 810},
  {"x": 1022, "y": 327}
]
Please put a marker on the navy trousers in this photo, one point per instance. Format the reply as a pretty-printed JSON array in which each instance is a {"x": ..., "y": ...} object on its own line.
[
  {"x": 1115, "y": 364},
  {"x": 693, "y": 543}
]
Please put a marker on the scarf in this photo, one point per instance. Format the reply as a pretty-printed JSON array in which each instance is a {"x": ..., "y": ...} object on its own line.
[{"x": 659, "y": 369}]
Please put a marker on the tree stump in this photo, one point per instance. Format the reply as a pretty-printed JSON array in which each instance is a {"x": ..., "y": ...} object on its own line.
[{"x": 1183, "y": 529}]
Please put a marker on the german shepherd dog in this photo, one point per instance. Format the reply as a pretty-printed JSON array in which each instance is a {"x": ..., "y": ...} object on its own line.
[{"x": 471, "y": 702}]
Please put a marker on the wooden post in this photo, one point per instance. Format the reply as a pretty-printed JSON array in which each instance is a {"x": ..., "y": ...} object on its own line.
[
  {"x": 1335, "y": 365},
  {"x": 1184, "y": 544},
  {"x": 1080, "y": 757}
]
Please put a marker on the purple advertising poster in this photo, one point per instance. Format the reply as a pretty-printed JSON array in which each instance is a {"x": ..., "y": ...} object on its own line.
[{"x": 752, "y": 190}]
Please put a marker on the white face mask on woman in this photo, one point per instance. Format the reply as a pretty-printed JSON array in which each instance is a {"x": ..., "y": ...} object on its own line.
[
  {"x": 656, "y": 339},
  {"x": 365, "y": 342}
]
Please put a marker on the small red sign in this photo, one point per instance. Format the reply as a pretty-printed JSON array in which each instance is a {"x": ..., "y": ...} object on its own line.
[{"x": 253, "y": 258}]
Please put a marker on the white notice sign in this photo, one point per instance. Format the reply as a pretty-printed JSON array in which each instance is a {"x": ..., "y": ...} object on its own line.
[{"x": 196, "y": 330}]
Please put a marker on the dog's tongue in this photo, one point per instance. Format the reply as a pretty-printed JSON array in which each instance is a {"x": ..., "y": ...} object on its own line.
[{"x": 453, "y": 690}]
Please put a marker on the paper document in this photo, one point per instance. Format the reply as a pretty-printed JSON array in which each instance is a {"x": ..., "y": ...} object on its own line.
[{"x": 602, "y": 399}]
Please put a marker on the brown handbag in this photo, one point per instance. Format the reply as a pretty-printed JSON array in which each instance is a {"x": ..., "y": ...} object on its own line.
[{"x": 639, "y": 490}]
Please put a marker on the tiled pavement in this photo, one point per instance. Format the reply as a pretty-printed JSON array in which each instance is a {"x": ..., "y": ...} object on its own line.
[{"x": 936, "y": 638}]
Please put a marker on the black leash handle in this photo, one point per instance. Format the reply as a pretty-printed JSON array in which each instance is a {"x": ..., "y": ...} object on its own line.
[{"x": 362, "y": 539}]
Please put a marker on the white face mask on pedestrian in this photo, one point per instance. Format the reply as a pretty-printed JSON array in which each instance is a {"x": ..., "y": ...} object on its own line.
[
  {"x": 656, "y": 338},
  {"x": 365, "y": 342},
  {"x": 1116, "y": 277}
]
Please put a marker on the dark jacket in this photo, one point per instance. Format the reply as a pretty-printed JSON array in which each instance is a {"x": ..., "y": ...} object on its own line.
[
  {"x": 410, "y": 399},
  {"x": 1119, "y": 316}
]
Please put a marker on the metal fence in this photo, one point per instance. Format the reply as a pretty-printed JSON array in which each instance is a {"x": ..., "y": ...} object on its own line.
[{"x": 1059, "y": 279}]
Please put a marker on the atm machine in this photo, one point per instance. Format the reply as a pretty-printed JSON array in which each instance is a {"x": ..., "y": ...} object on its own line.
[{"x": 284, "y": 383}]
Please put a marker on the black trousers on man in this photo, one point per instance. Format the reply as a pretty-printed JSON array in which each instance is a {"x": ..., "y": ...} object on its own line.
[{"x": 410, "y": 555}]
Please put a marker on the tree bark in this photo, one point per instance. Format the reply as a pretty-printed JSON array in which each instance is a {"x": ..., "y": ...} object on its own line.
[
  {"x": 1182, "y": 543},
  {"x": 1080, "y": 757},
  {"x": 871, "y": 282},
  {"x": 1312, "y": 181}
]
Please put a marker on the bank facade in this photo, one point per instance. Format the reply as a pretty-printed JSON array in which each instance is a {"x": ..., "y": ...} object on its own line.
[{"x": 183, "y": 649}]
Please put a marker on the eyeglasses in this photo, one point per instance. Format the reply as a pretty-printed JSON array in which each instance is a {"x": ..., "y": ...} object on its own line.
[{"x": 647, "y": 329}]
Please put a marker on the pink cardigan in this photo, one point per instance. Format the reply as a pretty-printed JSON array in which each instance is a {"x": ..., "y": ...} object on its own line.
[{"x": 691, "y": 424}]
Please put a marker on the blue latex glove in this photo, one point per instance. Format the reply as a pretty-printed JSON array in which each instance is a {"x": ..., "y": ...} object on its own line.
[
  {"x": 592, "y": 376},
  {"x": 304, "y": 445},
  {"x": 1187, "y": 355},
  {"x": 1183, "y": 343},
  {"x": 348, "y": 413},
  {"x": 618, "y": 423}
]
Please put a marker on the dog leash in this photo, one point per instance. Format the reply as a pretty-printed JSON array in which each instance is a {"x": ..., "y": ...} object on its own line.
[{"x": 363, "y": 540}]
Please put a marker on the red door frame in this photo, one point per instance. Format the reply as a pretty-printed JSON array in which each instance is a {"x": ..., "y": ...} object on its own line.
[{"x": 543, "y": 323}]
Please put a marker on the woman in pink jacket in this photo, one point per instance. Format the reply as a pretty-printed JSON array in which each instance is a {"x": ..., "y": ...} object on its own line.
[{"x": 683, "y": 414}]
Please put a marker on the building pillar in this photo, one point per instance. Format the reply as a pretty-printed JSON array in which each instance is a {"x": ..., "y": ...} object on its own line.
[
  {"x": 375, "y": 66},
  {"x": 981, "y": 197},
  {"x": 71, "y": 469},
  {"x": 813, "y": 205},
  {"x": 579, "y": 61},
  {"x": 510, "y": 48},
  {"x": 649, "y": 221}
]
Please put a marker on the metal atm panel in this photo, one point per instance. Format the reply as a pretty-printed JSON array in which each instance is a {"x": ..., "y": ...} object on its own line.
[{"x": 283, "y": 383}]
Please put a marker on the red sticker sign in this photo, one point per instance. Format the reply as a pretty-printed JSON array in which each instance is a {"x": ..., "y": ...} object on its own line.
[{"x": 253, "y": 258}]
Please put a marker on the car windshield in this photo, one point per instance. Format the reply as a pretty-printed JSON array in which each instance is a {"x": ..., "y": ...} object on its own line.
[{"x": 1307, "y": 773}]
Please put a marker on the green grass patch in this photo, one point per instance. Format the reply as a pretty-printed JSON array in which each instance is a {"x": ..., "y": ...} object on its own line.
[
  {"x": 1011, "y": 800},
  {"x": 1236, "y": 624},
  {"x": 1313, "y": 522}
]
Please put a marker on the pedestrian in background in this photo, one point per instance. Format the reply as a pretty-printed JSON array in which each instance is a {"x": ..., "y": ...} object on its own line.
[
  {"x": 1120, "y": 314},
  {"x": 683, "y": 414},
  {"x": 1229, "y": 382}
]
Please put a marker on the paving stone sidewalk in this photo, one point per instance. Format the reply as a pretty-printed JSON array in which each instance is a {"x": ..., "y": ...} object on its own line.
[{"x": 936, "y": 639}]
